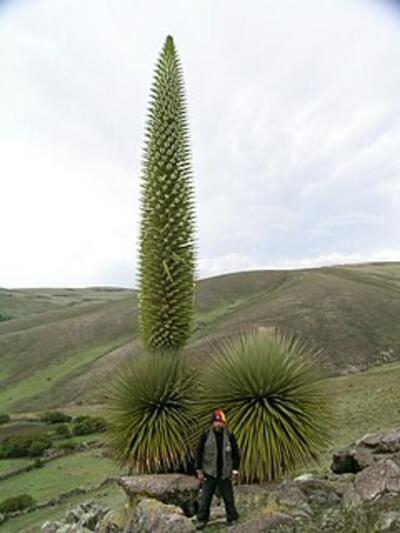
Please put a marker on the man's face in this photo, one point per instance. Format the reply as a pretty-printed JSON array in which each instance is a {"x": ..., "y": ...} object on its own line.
[{"x": 218, "y": 425}]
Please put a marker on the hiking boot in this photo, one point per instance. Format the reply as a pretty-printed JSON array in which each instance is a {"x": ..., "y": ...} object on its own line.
[
  {"x": 201, "y": 525},
  {"x": 231, "y": 523}
]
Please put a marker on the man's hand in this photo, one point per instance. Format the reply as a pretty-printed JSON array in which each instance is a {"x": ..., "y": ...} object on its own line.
[
  {"x": 200, "y": 475},
  {"x": 235, "y": 475}
]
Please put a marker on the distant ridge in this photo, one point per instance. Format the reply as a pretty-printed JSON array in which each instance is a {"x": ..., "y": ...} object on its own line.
[{"x": 60, "y": 342}]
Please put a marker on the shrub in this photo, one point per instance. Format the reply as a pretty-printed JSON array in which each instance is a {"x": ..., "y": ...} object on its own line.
[
  {"x": 89, "y": 424},
  {"x": 4, "y": 418},
  {"x": 271, "y": 388},
  {"x": 16, "y": 503},
  {"x": 80, "y": 418},
  {"x": 38, "y": 463},
  {"x": 39, "y": 445},
  {"x": 62, "y": 430},
  {"x": 55, "y": 417},
  {"x": 16, "y": 446},
  {"x": 151, "y": 412}
]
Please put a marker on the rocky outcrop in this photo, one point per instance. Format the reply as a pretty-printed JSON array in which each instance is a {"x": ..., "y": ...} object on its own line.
[
  {"x": 81, "y": 519},
  {"x": 366, "y": 451},
  {"x": 365, "y": 499},
  {"x": 151, "y": 515},
  {"x": 171, "y": 489}
]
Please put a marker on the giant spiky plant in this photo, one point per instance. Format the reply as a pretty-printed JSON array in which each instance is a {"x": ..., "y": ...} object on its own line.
[
  {"x": 166, "y": 254},
  {"x": 150, "y": 411},
  {"x": 270, "y": 386}
]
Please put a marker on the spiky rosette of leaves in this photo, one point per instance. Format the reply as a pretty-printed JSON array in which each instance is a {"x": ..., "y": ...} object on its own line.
[
  {"x": 150, "y": 413},
  {"x": 271, "y": 388},
  {"x": 166, "y": 254}
]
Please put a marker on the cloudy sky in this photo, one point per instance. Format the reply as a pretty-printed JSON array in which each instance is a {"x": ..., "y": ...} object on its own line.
[{"x": 294, "y": 110}]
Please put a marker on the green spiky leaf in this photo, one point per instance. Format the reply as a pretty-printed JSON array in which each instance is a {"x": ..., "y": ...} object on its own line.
[
  {"x": 150, "y": 412},
  {"x": 166, "y": 254},
  {"x": 271, "y": 389}
]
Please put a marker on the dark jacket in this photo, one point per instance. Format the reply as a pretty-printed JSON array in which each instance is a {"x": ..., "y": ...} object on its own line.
[{"x": 215, "y": 459}]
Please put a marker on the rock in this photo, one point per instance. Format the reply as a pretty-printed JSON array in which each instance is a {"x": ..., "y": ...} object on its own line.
[
  {"x": 343, "y": 461},
  {"x": 115, "y": 520},
  {"x": 376, "y": 480},
  {"x": 174, "y": 489},
  {"x": 388, "y": 521},
  {"x": 333, "y": 520},
  {"x": 152, "y": 516},
  {"x": 289, "y": 495},
  {"x": 304, "y": 477},
  {"x": 274, "y": 522},
  {"x": 382, "y": 442},
  {"x": 50, "y": 527},
  {"x": 319, "y": 493},
  {"x": 366, "y": 451},
  {"x": 351, "y": 498}
]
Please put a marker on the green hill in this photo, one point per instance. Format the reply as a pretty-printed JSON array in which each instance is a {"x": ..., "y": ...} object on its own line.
[{"x": 57, "y": 344}]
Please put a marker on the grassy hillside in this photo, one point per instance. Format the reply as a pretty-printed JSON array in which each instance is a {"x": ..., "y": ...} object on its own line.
[
  {"x": 61, "y": 342},
  {"x": 364, "y": 402}
]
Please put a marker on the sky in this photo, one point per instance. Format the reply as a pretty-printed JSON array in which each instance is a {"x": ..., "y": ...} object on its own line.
[{"x": 294, "y": 114}]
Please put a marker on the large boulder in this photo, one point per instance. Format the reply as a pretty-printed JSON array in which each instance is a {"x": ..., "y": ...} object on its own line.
[
  {"x": 152, "y": 516},
  {"x": 367, "y": 450},
  {"x": 378, "y": 479},
  {"x": 171, "y": 489}
]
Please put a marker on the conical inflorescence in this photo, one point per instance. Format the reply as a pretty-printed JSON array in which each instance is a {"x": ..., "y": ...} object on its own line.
[{"x": 166, "y": 248}]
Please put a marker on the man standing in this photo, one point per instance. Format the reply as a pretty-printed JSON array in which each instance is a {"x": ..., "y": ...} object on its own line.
[{"x": 217, "y": 464}]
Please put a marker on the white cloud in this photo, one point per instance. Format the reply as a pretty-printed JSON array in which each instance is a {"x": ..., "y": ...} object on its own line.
[{"x": 293, "y": 108}]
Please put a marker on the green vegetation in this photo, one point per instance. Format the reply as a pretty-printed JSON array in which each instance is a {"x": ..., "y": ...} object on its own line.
[
  {"x": 4, "y": 418},
  {"x": 111, "y": 496},
  {"x": 150, "y": 412},
  {"x": 16, "y": 503},
  {"x": 166, "y": 266},
  {"x": 351, "y": 313},
  {"x": 270, "y": 387},
  {"x": 85, "y": 425},
  {"x": 28, "y": 445},
  {"x": 61, "y": 475},
  {"x": 54, "y": 417}
]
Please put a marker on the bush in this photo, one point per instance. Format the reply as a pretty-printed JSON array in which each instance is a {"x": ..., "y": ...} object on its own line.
[
  {"x": 38, "y": 446},
  {"x": 37, "y": 463},
  {"x": 270, "y": 387},
  {"x": 54, "y": 417},
  {"x": 16, "y": 446},
  {"x": 62, "y": 430},
  {"x": 89, "y": 424},
  {"x": 4, "y": 418},
  {"x": 16, "y": 503},
  {"x": 151, "y": 408},
  {"x": 80, "y": 418}
]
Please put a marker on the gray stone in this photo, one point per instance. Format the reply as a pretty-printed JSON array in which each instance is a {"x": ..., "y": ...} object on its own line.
[
  {"x": 332, "y": 520},
  {"x": 51, "y": 527},
  {"x": 351, "y": 498},
  {"x": 388, "y": 521},
  {"x": 289, "y": 495},
  {"x": 274, "y": 522},
  {"x": 153, "y": 516},
  {"x": 174, "y": 489},
  {"x": 382, "y": 442},
  {"x": 376, "y": 480},
  {"x": 343, "y": 461},
  {"x": 319, "y": 493}
]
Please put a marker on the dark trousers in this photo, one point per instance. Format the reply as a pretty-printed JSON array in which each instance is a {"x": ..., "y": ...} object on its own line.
[{"x": 226, "y": 491}]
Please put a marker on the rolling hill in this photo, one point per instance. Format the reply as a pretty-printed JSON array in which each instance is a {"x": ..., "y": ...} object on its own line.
[{"x": 56, "y": 345}]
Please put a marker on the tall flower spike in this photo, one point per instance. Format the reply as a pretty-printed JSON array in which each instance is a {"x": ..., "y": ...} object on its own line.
[{"x": 166, "y": 248}]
